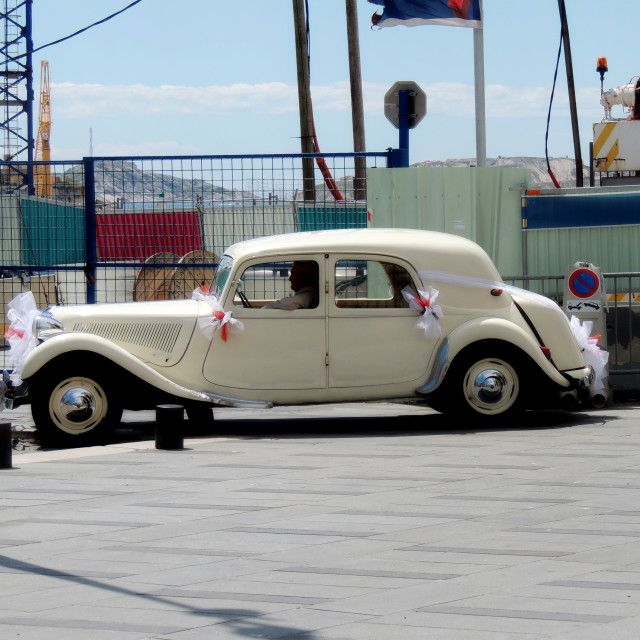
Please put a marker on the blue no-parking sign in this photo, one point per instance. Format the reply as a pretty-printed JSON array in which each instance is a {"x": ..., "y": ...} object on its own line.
[{"x": 584, "y": 283}]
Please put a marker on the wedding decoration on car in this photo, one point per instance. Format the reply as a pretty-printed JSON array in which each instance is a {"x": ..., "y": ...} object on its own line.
[
  {"x": 221, "y": 318},
  {"x": 425, "y": 302}
]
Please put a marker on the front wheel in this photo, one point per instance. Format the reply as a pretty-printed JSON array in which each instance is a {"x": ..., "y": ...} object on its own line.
[
  {"x": 487, "y": 386},
  {"x": 73, "y": 407}
]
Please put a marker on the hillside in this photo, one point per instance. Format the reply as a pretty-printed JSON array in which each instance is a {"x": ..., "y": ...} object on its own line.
[{"x": 124, "y": 181}]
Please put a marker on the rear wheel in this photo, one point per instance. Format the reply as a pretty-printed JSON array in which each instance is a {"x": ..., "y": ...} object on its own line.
[
  {"x": 484, "y": 384},
  {"x": 74, "y": 407}
]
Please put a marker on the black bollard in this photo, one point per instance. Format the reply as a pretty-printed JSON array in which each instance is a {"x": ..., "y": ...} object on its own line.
[
  {"x": 169, "y": 426},
  {"x": 5, "y": 445}
]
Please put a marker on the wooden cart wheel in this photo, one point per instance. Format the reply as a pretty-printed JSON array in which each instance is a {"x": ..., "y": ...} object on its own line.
[
  {"x": 195, "y": 273},
  {"x": 153, "y": 282}
]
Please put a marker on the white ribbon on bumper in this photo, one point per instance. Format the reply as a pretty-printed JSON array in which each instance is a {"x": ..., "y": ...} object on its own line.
[
  {"x": 425, "y": 302},
  {"x": 219, "y": 317},
  {"x": 591, "y": 352},
  {"x": 22, "y": 312}
]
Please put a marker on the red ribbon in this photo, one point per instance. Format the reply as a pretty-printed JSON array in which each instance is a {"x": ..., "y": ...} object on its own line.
[
  {"x": 13, "y": 332},
  {"x": 423, "y": 303},
  {"x": 224, "y": 330}
]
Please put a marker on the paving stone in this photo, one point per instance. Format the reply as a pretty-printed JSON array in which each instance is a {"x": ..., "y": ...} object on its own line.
[{"x": 331, "y": 531}]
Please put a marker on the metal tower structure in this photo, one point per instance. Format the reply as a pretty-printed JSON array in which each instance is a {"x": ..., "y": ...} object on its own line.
[
  {"x": 16, "y": 87},
  {"x": 42, "y": 173}
]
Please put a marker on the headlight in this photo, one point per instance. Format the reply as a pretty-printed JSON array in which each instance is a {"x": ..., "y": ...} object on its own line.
[{"x": 44, "y": 324}]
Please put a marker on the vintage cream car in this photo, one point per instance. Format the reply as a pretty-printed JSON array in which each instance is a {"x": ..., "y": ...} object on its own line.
[{"x": 400, "y": 313}]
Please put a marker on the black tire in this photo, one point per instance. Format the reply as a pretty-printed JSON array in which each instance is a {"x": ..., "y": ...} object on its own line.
[
  {"x": 485, "y": 382},
  {"x": 74, "y": 404}
]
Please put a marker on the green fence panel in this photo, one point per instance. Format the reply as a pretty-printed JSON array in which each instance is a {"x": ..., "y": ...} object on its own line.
[
  {"x": 52, "y": 233},
  {"x": 311, "y": 218}
]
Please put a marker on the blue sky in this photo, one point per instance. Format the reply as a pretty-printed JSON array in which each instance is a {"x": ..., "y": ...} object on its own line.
[{"x": 171, "y": 77}]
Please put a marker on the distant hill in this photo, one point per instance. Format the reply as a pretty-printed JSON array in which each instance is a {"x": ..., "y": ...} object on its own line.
[
  {"x": 125, "y": 181},
  {"x": 564, "y": 169}
]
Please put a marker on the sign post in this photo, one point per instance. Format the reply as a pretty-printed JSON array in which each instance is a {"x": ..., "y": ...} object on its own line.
[
  {"x": 405, "y": 105},
  {"x": 586, "y": 299}
]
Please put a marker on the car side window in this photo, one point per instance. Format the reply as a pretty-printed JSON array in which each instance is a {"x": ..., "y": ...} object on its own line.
[
  {"x": 287, "y": 285},
  {"x": 370, "y": 284}
]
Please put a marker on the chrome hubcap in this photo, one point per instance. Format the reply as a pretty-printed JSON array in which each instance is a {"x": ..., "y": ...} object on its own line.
[
  {"x": 77, "y": 405},
  {"x": 490, "y": 386}
]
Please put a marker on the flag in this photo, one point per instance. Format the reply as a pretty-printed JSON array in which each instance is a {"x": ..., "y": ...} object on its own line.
[{"x": 413, "y": 13}]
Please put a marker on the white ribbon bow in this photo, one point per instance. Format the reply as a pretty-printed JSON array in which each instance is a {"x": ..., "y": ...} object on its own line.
[
  {"x": 19, "y": 335},
  {"x": 591, "y": 353},
  {"x": 220, "y": 317}
]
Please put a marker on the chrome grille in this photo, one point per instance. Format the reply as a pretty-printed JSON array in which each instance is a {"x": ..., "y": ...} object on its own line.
[{"x": 159, "y": 336}]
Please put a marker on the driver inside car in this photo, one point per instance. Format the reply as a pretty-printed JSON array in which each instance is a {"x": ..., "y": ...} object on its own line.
[{"x": 304, "y": 283}]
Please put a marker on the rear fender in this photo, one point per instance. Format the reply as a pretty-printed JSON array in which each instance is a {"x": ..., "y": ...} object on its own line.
[
  {"x": 67, "y": 343},
  {"x": 480, "y": 329}
]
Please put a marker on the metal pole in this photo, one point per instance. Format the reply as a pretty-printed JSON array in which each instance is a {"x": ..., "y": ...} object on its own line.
[
  {"x": 304, "y": 99},
  {"x": 357, "y": 103},
  {"x": 478, "y": 65},
  {"x": 91, "y": 249},
  {"x": 403, "y": 126},
  {"x": 29, "y": 73},
  {"x": 572, "y": 93}
]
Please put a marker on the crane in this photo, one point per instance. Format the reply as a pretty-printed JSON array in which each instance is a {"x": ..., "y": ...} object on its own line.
[{"x": 42, "y": 172}]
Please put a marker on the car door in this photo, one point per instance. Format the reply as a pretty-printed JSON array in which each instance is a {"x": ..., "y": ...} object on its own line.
[
  {"x": 278, "y": 349},
  {"x": 374, "y": 344}
]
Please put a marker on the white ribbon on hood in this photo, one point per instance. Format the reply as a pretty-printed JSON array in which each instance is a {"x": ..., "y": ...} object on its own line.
[{"x": 21, "y": 314}]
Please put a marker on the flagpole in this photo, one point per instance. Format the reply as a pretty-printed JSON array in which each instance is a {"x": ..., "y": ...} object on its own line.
[{"x": 478, "y": 64}]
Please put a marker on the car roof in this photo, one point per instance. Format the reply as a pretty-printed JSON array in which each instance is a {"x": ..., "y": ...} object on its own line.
[{"x": 426, "y": 250}]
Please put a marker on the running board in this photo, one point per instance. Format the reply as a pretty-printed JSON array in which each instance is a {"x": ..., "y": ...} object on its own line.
[{"x": 226, "y": 401}]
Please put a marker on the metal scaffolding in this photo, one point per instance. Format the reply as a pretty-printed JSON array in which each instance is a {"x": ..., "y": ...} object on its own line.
[{"x": 16, "y": 87}]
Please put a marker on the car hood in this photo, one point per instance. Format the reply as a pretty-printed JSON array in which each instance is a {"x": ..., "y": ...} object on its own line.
[{"x": 156, "y": 332}]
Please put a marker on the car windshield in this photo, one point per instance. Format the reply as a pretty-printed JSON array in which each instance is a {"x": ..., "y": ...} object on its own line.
[{"x": 221, "y": 276}]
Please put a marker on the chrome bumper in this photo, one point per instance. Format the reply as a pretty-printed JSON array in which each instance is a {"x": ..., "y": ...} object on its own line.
[
  {"x": 581, "y": 378},
  {"x": 11, "y": 396}
]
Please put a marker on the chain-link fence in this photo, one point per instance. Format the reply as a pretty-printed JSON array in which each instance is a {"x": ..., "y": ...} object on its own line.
[
  {"x": 120, "y": 229},
  {"x": 152, "y": 228}
]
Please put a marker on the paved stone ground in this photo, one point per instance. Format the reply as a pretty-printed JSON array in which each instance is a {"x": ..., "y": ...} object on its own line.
[{"x": 330, "y": 523}]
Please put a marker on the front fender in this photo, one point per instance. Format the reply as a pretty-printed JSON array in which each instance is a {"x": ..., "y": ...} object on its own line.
[
  {"x": 480, "y": 329},
  {"x": 67, "y": 343}
]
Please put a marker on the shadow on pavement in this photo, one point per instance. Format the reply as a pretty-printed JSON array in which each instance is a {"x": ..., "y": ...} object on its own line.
[
  {"x": 142, "y": 428},
  {"x": 356, "y": 427},
  {"x": 240, "y": 622}
]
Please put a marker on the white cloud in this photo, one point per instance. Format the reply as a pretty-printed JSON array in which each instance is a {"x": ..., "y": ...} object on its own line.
[
  {"x": 111, "y": 148},
  {"x": 71, "y": 101},
  {"x": 82, "y": 100}
]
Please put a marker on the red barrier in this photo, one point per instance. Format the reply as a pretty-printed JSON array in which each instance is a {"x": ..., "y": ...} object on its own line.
[{"x": 137, "y": 236}]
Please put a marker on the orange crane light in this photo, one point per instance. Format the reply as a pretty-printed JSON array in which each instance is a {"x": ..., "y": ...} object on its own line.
[{"x": 42, "y": 172}]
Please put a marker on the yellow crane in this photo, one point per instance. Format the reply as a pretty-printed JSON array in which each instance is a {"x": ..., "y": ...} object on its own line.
[{"x": 42, "y": 172}]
